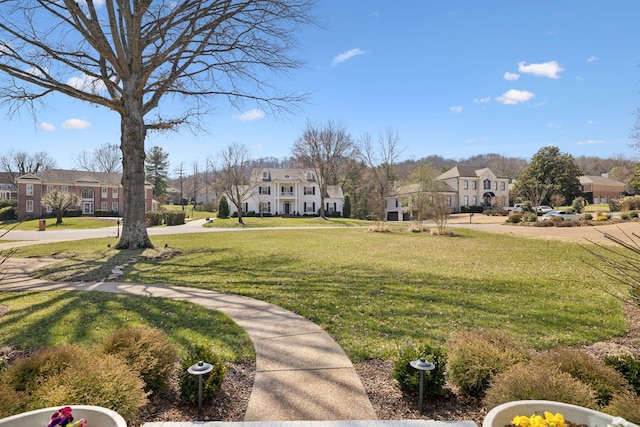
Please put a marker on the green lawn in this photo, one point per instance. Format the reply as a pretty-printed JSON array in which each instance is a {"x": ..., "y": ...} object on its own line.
[
  {"x": 67, "y": 223},
  {"x": 269, "y": 222},
  {"x": 372, "y": 291}
]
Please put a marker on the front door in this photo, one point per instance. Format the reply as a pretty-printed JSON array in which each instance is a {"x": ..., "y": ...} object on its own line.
[
  {"x": 287, "y": 208},
  {"x": 87, "y": 208}
]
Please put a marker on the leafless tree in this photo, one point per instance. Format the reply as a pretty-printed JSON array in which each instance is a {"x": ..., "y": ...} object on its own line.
[
  {"x": 425, "y": 199},
  {"x": 233, "y": 176},
  {"x": 380, "y": 160},
  {"x": 59, "y": 201},
  {"x": 322, "y": 150},
  {"x": 18, "y": 163},
  {"x": 106, "y": 158},
  {"x": 133, "y": 56}
]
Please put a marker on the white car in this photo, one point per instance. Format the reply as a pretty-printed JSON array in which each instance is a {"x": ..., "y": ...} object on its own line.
[
  {"x": 565, "y": 215},
  {"x": 541, "y": 210}
]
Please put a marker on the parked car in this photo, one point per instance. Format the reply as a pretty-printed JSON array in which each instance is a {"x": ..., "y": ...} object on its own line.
[
  {"x": 541, "y": 210},
  {"x": 565, "y": 215}
]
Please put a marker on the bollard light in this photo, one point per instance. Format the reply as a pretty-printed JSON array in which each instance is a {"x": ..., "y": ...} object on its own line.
[
  {"x": 200, "y": 369},
  {"x": 422, "y": 365}
]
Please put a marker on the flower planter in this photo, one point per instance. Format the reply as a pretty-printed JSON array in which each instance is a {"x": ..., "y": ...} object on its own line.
[
  {"x": 96, "y": 416},
  {"x": 501, "y": 415}
]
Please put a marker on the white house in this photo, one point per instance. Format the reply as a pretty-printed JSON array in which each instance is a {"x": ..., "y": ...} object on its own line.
[
  {"x": 466, "y": 186},
  {"x": 279, "y": 191}
]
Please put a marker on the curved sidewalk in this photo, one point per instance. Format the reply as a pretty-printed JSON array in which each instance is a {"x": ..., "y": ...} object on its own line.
[{"x": 301, "y": 372}]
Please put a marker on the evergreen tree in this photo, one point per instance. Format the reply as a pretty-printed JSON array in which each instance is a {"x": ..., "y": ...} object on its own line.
[
  {"x": 346, "y": 207},
  {"x": 223, "y": 208},
  {"x": 156, "y": 168},
  {"x": 550, "y": 173}
]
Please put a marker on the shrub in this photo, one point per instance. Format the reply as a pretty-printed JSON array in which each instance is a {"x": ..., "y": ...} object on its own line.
[
  {"x": 409, "y": 378},
  {"x": 73, "y": 213},
  {"x": 532, "y": 381},
  {"x": 154, "y": 218},
  {"x": 514, "y": 218},
  {"x": 173, "y": 217},
  {"x": 475, "y": 357},
  {"x": 101, "y": 212},
  {"x": 568, "y": 223},
  {"x": 8, "y": 213},
  {"x": 223, "y": 208},
  {"x": 633, "y": 214},
  {"x": 544, "y": 224},
  {"x": 625, "y": 405},
  {"x": 628, "y": 366},
  {"x": 625, "y": 216},
  {"x": 587, "y": 216},
  {"x": 628, "y": 203},
  {"x": 531, "y": 217},
  {"x": 71, "y": 374},
  {"x": 604, "y": 380},
  {"x": 147, "y": 350},
  {"x": 556, "y": 220},
  {"x": 211, "y": 382},
  {"x": 579, "y": 203}
]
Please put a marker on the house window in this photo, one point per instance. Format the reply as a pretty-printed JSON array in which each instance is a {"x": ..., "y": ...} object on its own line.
[
  {"x": 245, "y": 207},
  {"x": 474, "y": 185},
  {"x": 503, "y": 186},
  {"x": 487, "y": 184},
  {"x": 49, "y": 209},
  {"x": 49, "y": 188},
  {"x": 466, "y": 201},
  {"x": 309, "y": 175},
  {"x": 475, "y": 200},
  {"x": 29, "y": 206},
  {"x": 103, "y": 206},
  {"x": 264, "y": 190},
  {"x": 496, "y": 186},
  {"x": 265, "y": 207},
  {"x": 114, "y": 207},
  {"x": 286, "y": 191},
  {"x": 448, "y": 200},
  {"x": 309, "y": 191},
  {"x": 465, "y": 184},
  {"x": 105, "y": 192},
  {"x": 29, "y": 191},
  {"x": 64, "y": 188},
  {"x": 114, "y": 193},
  {"x": 309, "y": 207},
  {"x": 265, "y": 175},
  {"x": 87, "y": 193}
]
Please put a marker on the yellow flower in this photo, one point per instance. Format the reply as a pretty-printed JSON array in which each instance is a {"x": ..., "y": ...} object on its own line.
[{"x": 549, "y": 420}]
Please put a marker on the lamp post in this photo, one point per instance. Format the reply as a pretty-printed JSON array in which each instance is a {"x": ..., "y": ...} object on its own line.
[
  {"x": 422, "y": 365},
  {"x": 200, "y": 369},
  {"x": 118, "y": 235}
]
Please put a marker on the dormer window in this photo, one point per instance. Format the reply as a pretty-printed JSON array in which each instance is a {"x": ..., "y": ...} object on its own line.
[
  {"x": 265, "y": 174},
  {"x": 309, "y": 175}
]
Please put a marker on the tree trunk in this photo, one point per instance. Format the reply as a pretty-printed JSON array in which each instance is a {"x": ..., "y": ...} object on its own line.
[{"x": 134, "y": 231}]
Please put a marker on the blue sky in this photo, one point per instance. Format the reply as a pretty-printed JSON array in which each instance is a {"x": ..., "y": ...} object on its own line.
[{"x": 454, "y": 78}]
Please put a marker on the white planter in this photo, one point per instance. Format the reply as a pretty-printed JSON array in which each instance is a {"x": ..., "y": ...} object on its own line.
[
  {"x": 96, "y": 416},
  {"x": 501, "y": 415}
]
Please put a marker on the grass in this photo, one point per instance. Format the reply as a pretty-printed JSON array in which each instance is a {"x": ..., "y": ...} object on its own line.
[
  {"x": 269, "y": 222},
  {"x": 36, "y": 319},
  {"x": 67, "y": 223},
  {"x": 372, "y": 291}
]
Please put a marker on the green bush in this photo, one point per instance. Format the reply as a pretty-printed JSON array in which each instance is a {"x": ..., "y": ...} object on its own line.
[
  {"x": 633, "y": 214},
  {"x": 8, "y": 213},
  {"x": 604, "y": 380},
  {"x": 173, "y": 217},
  {"x": 211, "y": 382},
  {"x": 628, "y": 366},
  {"x": 409, "y": 378},
  {"x": 587, "y": 216},
  {"x": 531, "y": 217},
  {"x": 147, "y": 350},
  {"x": 69, "y": 213},
  {"x": 101, "y": 212},
  {"x": 475, "y": 357},
  {"x": 625, "y": 405},
  {"x": 154, "y": 218},
  {"x": 532, "y": 381},
  {"x": 223, "y": 208},
  {"x": 625, "y": 216},
  {"x": 71, "y": 375}
]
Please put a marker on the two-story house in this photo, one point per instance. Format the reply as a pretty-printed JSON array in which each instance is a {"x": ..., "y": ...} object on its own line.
[
  {"x": 279, "y": 191},
  {"x": 98, "y": 191},
  {"x": 7, "y": 186},
  {"x": 464, "y": 186},
  {"x": 601, "y": 189}
]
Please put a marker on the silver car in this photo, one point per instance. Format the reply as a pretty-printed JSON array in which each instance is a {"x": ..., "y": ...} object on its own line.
[{"x": 565, "y": 215}]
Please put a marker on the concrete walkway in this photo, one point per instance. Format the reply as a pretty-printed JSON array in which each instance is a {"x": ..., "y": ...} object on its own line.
[{"x": 301, "y": 372}]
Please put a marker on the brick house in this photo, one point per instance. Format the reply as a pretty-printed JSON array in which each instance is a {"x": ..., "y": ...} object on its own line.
[
  {"x": 7, "y": 186},
  {"x": 600, "y": 189},
  {"x": 98, "y": 191}
]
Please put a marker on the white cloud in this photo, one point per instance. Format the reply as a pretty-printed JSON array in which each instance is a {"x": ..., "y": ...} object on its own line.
[
  {"x": 591, "y": 142},
  {"x": 456, "y": 109},
  {"x": 511, "y": 76},
  {"x": 76, "y": 124},
  {"x": 482, "y": 100},
  {"x": 593, "y": 58},
  {"x": 549, "y": 69},
  {"x": 347, "y": 55},
  {"x": 249, "y": 116},
  {"x": 46, "y": 126},
  {"x": 514, "y": 96},
  {"x": 87, "y": 84}
]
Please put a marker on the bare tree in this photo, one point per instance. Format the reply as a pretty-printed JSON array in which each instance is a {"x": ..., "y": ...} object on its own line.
[
  {"x": 322, "y": 150},
  {"x": 424, "y": 197},
  {"x": 106, "y": 158},
  {"x": 381, "y": 159},
  {"x": 59, "y": 201},
  {"x": 130, "y": 56},
  {"x": 233, "y": 176},
  {"x": 18, "y": 163}
]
